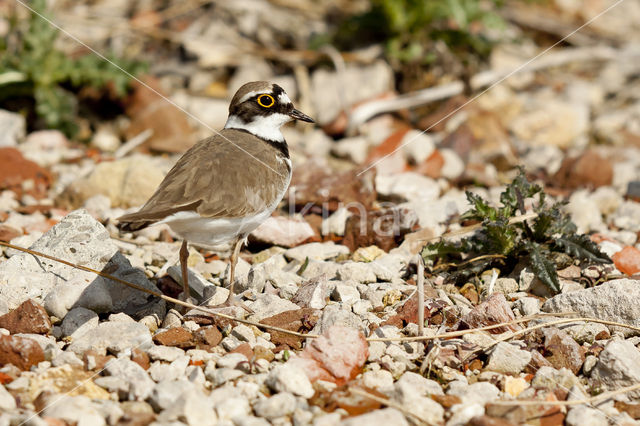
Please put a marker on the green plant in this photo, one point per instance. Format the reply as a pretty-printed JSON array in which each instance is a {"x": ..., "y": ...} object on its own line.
[
  {"x": 503, "y": 242},
  {"x": 411, "y": 27},
  {"x": 32, "y": 67}
]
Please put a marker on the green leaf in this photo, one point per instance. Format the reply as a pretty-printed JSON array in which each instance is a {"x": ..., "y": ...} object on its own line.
[
  {"x": 544, "y": 269},
  {"x": 480, "y": 209},
  {"x": 582, "y": 247}
]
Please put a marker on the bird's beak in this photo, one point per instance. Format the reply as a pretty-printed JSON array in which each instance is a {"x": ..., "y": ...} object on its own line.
[{"x": 298, "y": 115}]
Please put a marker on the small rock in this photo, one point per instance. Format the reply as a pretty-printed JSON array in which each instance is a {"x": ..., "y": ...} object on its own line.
[
  {"x": 15, "y": 171},
  {"x": 283, "y": 231},
  {"x": 551, "y": 379},
  {"x": 381, "y": 380},
  {"x": 582, "y": 415},
  {"x": 507, "y": 358},
  {"x": 166, "y": 392},
  {"x": 78, "y": 322},
  {"x": 289, "y": 378},
  {"x": 618, "y": 366},
  {"x": 113, "y": 336},
  {"x": 313, "y": 293},
  {"x": 12, "y": 128},
  {"x": 139, "y": 383},
  {"x": 334, "y": 315},
  {"x": 192, "y": 408},
  {"x": 383, "y": 417},
  {"x": 72, "y": 409},
  {"x": 267, "y": 305},
  {"x": 21, "y": 352},
  {"x": 7, "y": 401},
  {"x": 316, "y": 251},
  {"x": 177, "y": 336},
  {"x": 357, "y": 271},
  {"x": 281, "y": 404},
  {"x": 346, "y": 294},
  {"x": 492, "y": 311},
  {"x": 232, "y": 360},
  {"x": 164, "y": 353},
  {"x": 564, "y": 351},
  {"x": 29, "y": 317}
]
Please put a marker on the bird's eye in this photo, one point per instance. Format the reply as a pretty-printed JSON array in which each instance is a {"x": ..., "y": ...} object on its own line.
[{"x": 266, "y": 101}]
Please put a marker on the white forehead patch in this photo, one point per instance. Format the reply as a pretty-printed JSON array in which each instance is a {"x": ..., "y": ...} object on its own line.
[
  {"x": 251, "y": 95},
  {"x": 284, "y": 99}
]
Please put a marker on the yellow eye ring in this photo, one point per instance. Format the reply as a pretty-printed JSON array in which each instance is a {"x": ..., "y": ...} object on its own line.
[{"x": 269, "y": 101}]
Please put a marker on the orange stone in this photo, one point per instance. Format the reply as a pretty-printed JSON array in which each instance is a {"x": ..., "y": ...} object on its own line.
[{"x": 627, "y": 260}]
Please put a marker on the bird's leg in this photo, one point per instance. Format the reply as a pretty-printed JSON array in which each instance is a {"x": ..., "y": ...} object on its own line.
[
  {"x": 232, "y": 267},
  {"x": 231, "y": 301},
  {"x": 184, "y": 256}
]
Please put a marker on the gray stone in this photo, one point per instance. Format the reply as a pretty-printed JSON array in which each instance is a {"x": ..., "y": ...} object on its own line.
[
  {"x": 383, "y": 417},
  {"x": 160, "y": 371},
  {"x": 232, "y": 406},
  {"x": 72, "y": 409},
  {"x": 582, "y": 415},
  {"x": 318, "y": 268},
  {"x": 549, "y": 378},
  {"x": 7, "y": 401},
  {"x": 139, "y": 383},
  {"x": 280, "y": 404},
  {"x": 316, "y": 251},
  {"x": 114, "y": 337},
  {"x": 461, "y": 414},
  {"x": 289, "y": 378},
  {"x": 78, "y": 322},
  {"x": 407, "y": 186},
  {"x": 587, "y": 332},
  {"x": 313, "y": 293},
  {"x": 618, "y": 366},
  {"x": 80, "y": 239},
  {"x": 164, "y": 353},
  {"x": 67, "y": 358},
  {"x": 615, "y": 300},
  {"x": 113, "y": 385},
  {"x": 507, "y": 358},
  {"x": 244, "y": 333},
  {"x": 167, "y": 392},
  {"x": 476, "y": 393},
  {"x": 381, "y": 380},
  {"x": 197, "y": 282},
  {"x": 331, "y": 89},
  {"x": 267, "y": 305},
  {"x": 231, "y": 360},
  {"x": 12, "y": 128},
  {"x": 193, "y": 408},
  {"x": 335, "y": 315},
  {"x": 220, "y": 376},
  {"x": 527, "y": 305},
  {"x": 410, "y": 384},
  {"x": 346, "y": 294},
  {"x": 358, "y": 272}
]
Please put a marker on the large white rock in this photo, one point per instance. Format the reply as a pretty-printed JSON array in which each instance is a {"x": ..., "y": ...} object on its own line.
[
  {"x": 618, "y": 366},
  {"x": 615, "y": 300},
  {"x": 80, "y": 239}
]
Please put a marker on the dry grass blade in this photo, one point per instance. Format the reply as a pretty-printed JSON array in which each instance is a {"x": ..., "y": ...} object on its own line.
[{"x": 156, "y": 294}]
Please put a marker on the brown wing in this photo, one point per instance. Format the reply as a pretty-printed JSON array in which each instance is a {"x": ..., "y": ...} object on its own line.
[{"x": 217, "y": 179}]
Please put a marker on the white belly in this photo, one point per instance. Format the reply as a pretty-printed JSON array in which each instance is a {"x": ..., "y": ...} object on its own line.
[{"x": 209, "y": 232}]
